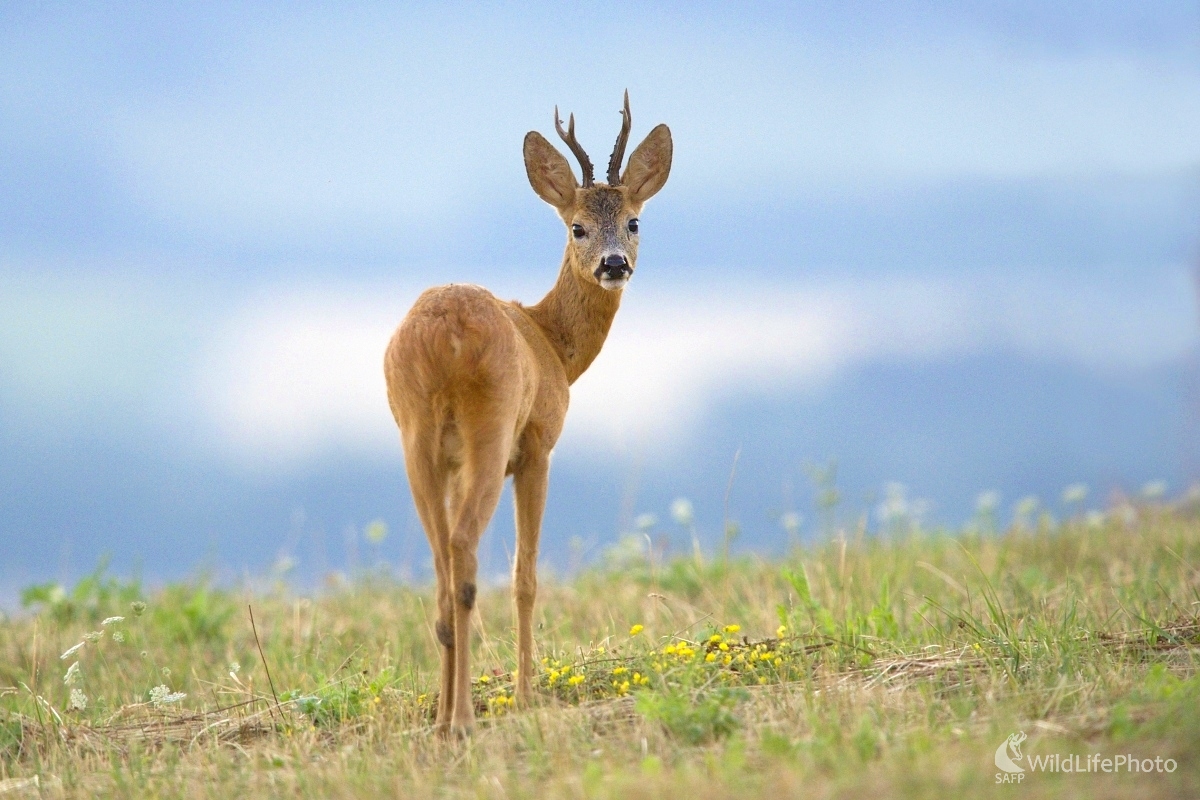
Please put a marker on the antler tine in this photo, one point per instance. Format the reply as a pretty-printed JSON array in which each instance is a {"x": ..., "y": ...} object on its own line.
[
  {"x": 568, "y": 136},
  {"x": 618, "y": 153}
]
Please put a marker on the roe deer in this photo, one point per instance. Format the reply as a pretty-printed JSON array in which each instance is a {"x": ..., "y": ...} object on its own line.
[{"x": 479, "y": 388}]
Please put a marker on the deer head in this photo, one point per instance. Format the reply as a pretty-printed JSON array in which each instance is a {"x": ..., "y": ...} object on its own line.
[{"x": 601, "y": 219}]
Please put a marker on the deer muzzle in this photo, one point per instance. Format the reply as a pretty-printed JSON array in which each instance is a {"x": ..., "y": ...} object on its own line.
[{"x": 613, "y": 272}]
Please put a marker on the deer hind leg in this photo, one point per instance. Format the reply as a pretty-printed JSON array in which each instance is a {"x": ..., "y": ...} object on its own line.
[
  {"x": 429, "y": 484},
  {"x": 529, "y": 493},
  {"x": 482, "y": 478}
]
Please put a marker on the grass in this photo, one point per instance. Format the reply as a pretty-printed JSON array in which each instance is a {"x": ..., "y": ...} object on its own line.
[{"x": 864, "y": 666}]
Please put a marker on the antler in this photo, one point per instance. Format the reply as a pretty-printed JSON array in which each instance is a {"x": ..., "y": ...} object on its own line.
[
  {"x": 618, "y": 153},
  {"x": 568, "y": 136}
]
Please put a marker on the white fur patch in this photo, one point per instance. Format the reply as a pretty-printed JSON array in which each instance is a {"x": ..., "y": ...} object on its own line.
[{"x": 612, "y": 284}]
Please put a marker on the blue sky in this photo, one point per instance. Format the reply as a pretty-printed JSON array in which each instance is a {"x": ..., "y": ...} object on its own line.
[{"x": 947, "y": 245}]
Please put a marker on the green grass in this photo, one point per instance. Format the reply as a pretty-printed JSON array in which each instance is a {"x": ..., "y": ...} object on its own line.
[{"x": 863, "y": 666}]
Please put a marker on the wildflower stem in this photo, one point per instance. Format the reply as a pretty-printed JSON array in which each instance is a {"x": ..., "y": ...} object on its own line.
[{"x": 270, "y": 682}]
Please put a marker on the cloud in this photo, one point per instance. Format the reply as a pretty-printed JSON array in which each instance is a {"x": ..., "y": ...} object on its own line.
[
  {"x": 75, "y": 348},
  {"x": 294, "y": 374},
  {"x": 301, "y": 375},
  {"x": 670, "y": 358}
]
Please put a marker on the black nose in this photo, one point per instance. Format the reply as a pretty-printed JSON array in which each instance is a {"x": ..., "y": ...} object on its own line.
[{"x": 613, "y": 267}]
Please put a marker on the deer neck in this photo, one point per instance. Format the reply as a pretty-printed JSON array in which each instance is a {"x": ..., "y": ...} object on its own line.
[{"x": 575, "y": 316}]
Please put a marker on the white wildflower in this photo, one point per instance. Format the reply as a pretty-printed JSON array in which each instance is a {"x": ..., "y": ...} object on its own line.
[
  {"x": 895, "y": 502},
  {"x": 72, "y": 674},
  {"x": 166, "y": 672},
  {"x": 72, "y": 651},
  {"x": 112, "y": 621},
  {"x": 283, "y": 565},
  {"x": 1026, "y": 507},
  {"x": 376, "y": 531},
  {"x": 162, "y": 695},
  {"x": 682, "y": 511},
  {"x": 234, "y": 668},
  {"x": 78, "y": 700},
  {"x": 897, "y": 512},
  {"x": 1154, "y": 490},
  {"x": 118, "y": 637},
  {"x": 1075, "y": 493},
  {"x": 645, "y": 522},
  {"x": 93, "y": 637},
  {"x": 987, "y": 502}
]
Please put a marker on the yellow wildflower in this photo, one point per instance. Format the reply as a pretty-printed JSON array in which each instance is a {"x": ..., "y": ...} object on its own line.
[
  {"x": 575, "y": 680},
  {"x": 716, "y": 637},
  {"x": 732, "y": 628},
  {"x": 619, "y": 670},
  {"x": 711, "y": 657},
  {"x": 636, "y": 629},
  {"x": 780, "y": 631},
  {"x": 723, "y": 647}
]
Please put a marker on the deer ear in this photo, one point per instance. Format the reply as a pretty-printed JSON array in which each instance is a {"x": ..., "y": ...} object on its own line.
[
  {"x": 649, "y": 165},
  {"x": 549, "y": 173}
]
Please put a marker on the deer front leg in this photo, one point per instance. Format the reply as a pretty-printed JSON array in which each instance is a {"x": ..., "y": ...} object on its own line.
[{"x": 529, "y": 493}]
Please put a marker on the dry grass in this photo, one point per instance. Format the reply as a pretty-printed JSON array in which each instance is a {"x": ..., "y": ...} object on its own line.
[{"x": 864, "y": 666}]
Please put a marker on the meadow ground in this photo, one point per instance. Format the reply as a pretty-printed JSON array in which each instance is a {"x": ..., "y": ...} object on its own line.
[{"x": 863, "y": 666}]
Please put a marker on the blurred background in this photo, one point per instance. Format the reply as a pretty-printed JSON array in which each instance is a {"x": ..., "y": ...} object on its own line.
[{"x": 940, "y": 256}]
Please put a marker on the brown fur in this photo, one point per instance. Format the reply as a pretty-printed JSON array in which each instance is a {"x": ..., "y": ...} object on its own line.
[{"x": 479, "y": 389}]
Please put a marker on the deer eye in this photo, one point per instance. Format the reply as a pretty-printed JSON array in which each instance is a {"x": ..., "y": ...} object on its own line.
[
  {"x": 633, "y": 225},
  {"x": 578, "y": 231}
]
